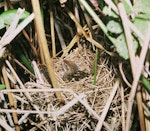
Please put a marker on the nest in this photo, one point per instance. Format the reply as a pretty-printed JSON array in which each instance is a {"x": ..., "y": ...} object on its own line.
[{"x": 75, "y": 73}]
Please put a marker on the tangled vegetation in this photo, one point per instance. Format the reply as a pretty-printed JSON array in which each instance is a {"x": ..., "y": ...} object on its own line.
[{"x": 80, "y": 65}]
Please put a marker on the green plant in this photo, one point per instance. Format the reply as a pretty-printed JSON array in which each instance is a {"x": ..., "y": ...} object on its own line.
[
  {"x": 2, "y": 86},
  {"x": 7, "y": 17}
]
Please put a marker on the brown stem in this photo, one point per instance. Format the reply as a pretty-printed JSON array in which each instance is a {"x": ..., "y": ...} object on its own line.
[
  {"x": 41, "y": 35},
  {"x": 140, "y": 108}
]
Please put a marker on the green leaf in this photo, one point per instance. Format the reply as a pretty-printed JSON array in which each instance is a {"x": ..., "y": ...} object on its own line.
[
  {"x": 109, "y": 12},
  {"x": 121, "y": 46},
  {"x": 141, "y": 25},
  {"x": 142, "y": 9},
  {"x": 127, "y": 7},
  {"x": 114, "y": 27},
  {"x": 146, "y": 83},
  {"x": 7, "y": 17},
  {"x": 24, "y": 59},
  {"x": 2, "y": 86}
]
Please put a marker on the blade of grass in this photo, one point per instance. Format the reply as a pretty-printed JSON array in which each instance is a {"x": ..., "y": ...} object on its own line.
[
  {"x": 25, "y": 60},
  {"x": 146, "y": 83},
  {"x": 95, "y": 66},
  {"x": 95, "y": 76}
]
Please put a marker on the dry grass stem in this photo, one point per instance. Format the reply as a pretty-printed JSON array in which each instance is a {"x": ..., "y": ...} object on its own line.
[
  {"x": 123, "y": 109},
  {"x": 137, "y": 77},
  {"x": 22, "y": 66},
  {"x": 44, "y": 46},
  {"x": 60, "y": 36},
  {"x": 123, "y": 75},
  {"x": 11, "y": 99},
  {"x": 140, "y": 108},
  {"x": 71, "y": 44},
  {"x": 52, "y": 28},
  {"x": 106, "y": 108},
  {"x": 98, "y": 45},
  {"x": 4, "y": 124},
  {"x": 128, "y": 37},
  {"x": 17, "y": 78}
]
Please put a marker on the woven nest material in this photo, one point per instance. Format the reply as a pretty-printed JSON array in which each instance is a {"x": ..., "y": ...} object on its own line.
[{"x": 75, "y": 73}]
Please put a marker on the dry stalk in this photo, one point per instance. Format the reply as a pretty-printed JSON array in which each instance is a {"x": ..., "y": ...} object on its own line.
[
  {"x": 22, "y": 85},
  {"x": 10, "y": 35},
  {"x": 44, "y": 46},
  {"x": 52, "y": 28},
  {"x": 18, "y": 79},
  {"x": 123, "y": 75},
  {"x": 11, "y": 99},
  {"x": 26, "y": 36},
  {"x": 71, "y": 44},
  {"x": 98, "y": 45},
  {"x": 24, "y": 68},
  {"x": 5, "y": 125},
  {"x": 128, "y": 37},
  {"x": 137, "y": 77},
  {"x": 140, "y": 108},
  {"x": 106, "y": 108},
  {"x": 123, "y": 109},
  {"x": 30, "y": 43}
]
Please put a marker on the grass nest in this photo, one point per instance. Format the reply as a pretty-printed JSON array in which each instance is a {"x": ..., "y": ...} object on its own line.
[
  {"x": 54, "y": 55},
  {"x": 75, "y": 73}
]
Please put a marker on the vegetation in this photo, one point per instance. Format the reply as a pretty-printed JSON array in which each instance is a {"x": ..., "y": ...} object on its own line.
[{"x": 74, "y": 65}]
